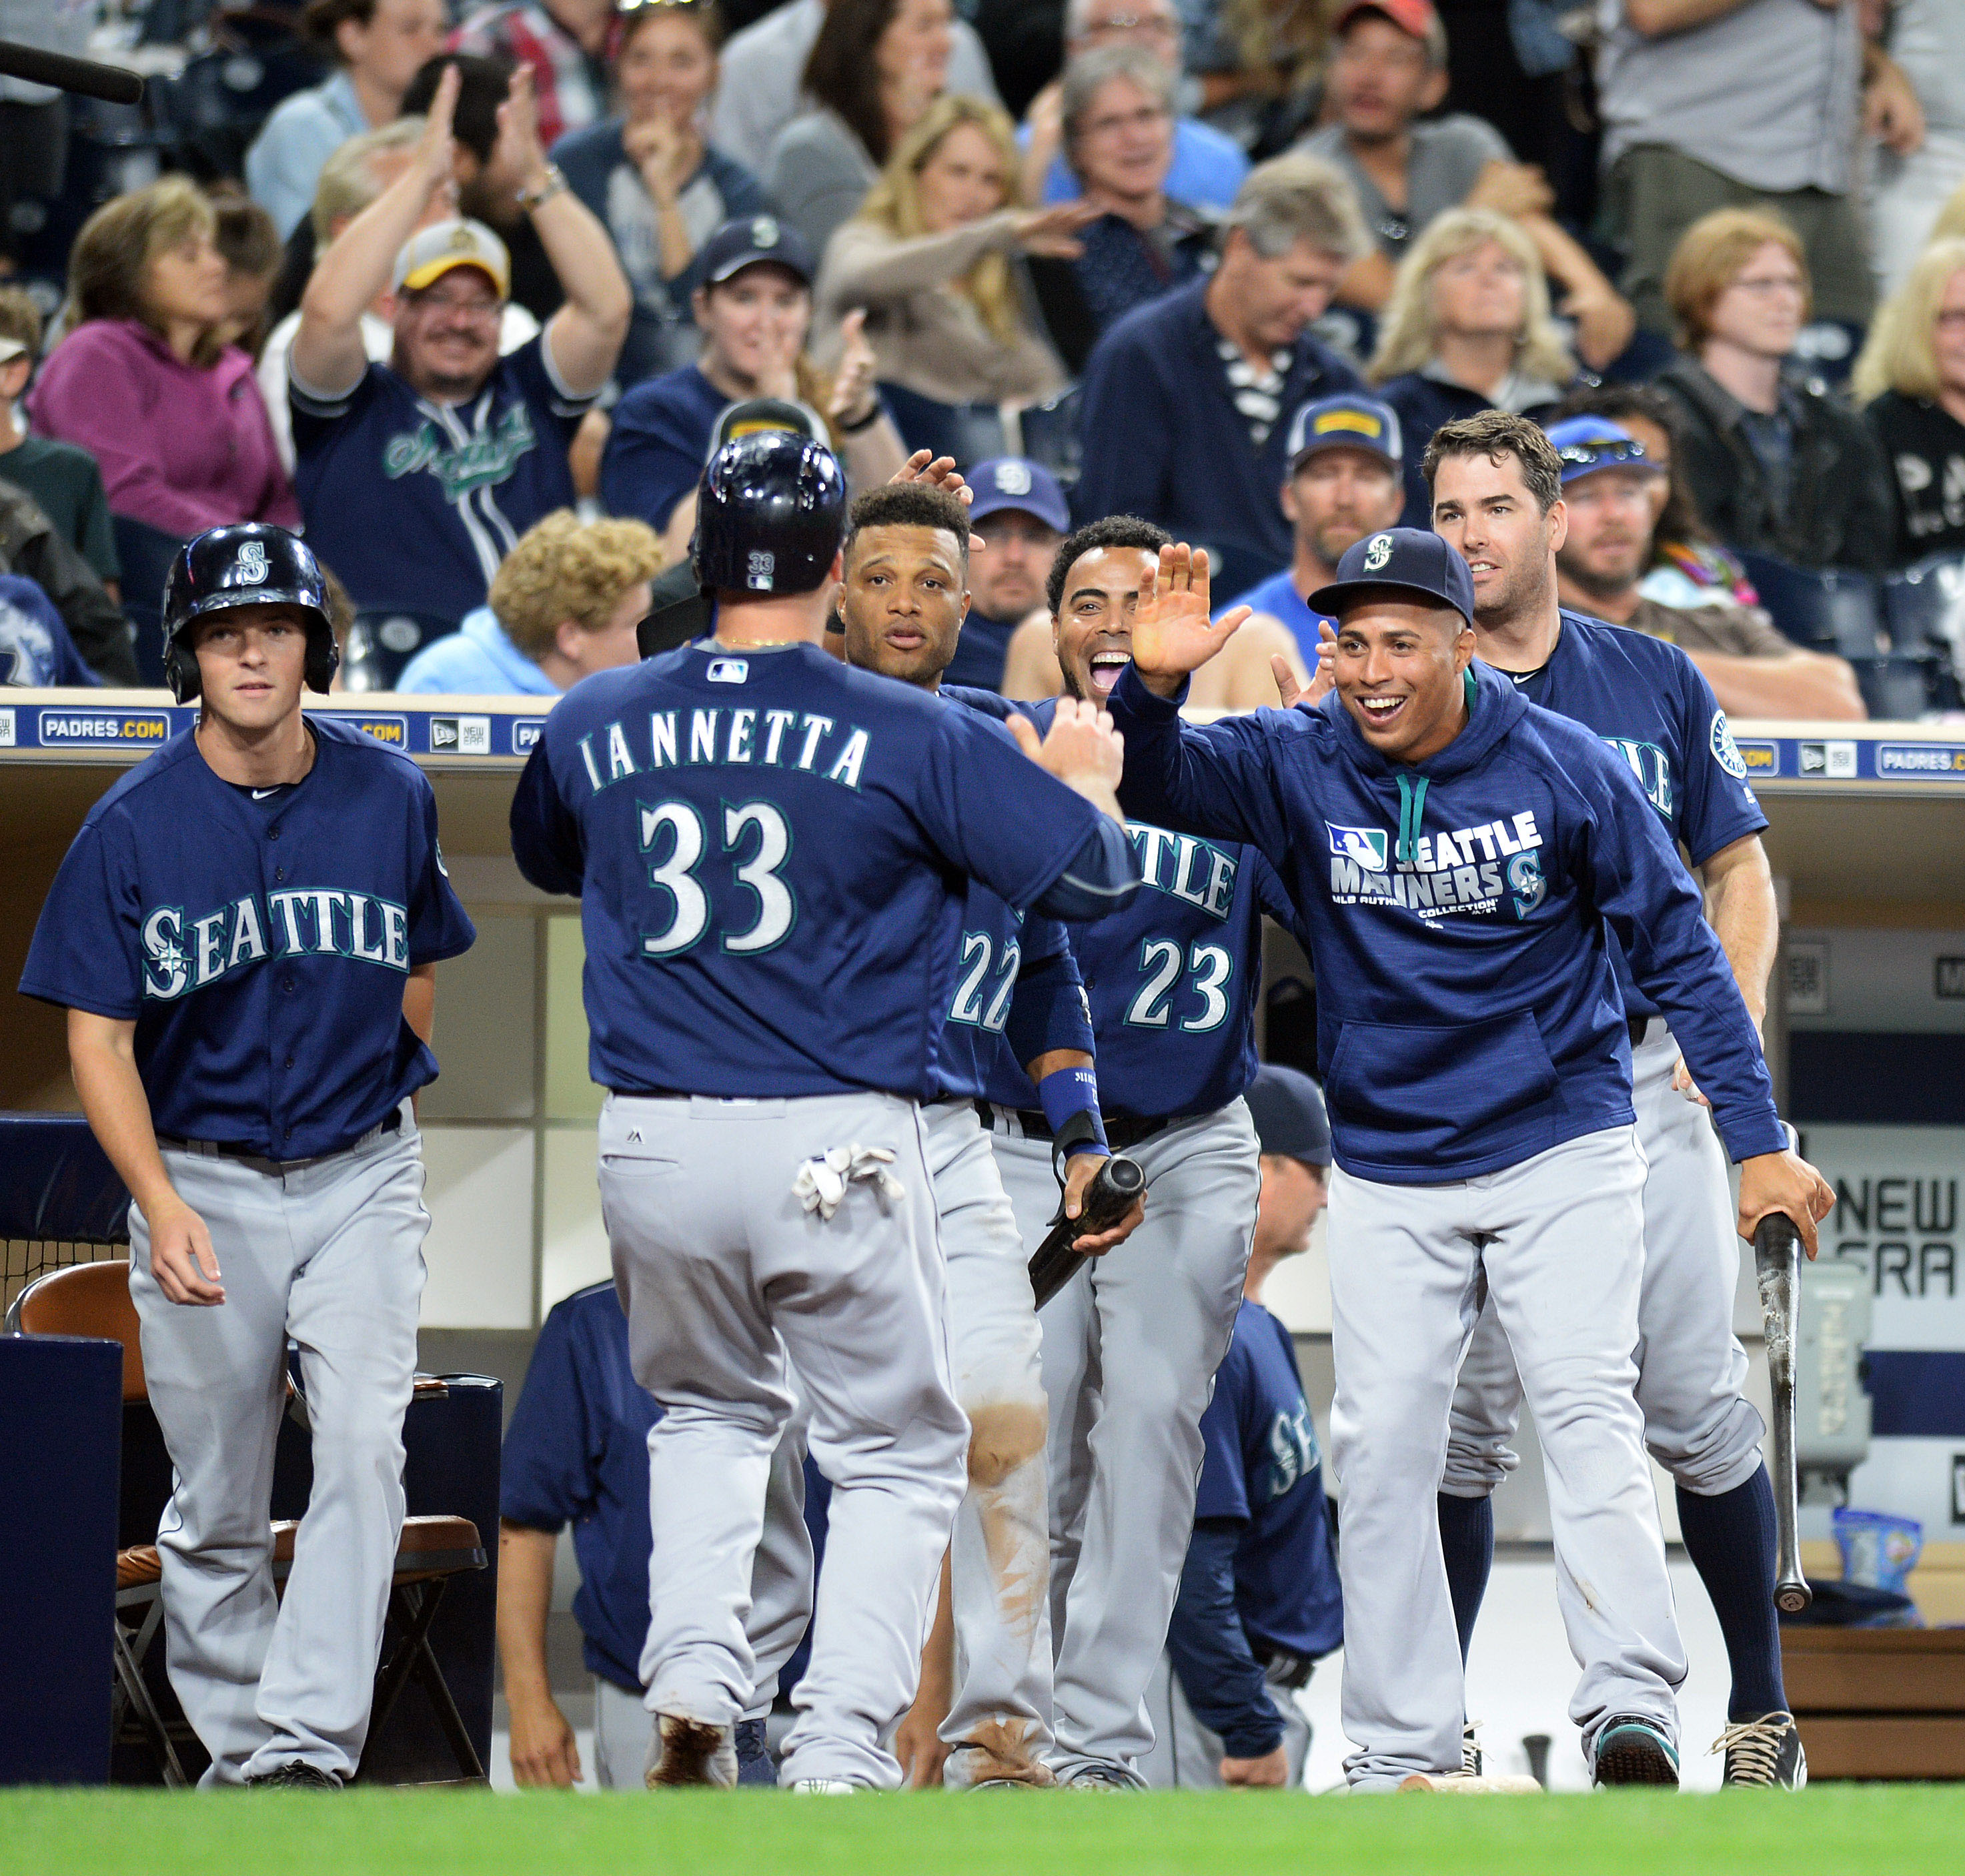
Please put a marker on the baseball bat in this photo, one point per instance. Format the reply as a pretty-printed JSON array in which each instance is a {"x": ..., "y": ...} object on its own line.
[
  {"x": 1110, "y": 1196},
  {"x": 1777, "y": 1273},
  {"x": 110, "y": 82}
]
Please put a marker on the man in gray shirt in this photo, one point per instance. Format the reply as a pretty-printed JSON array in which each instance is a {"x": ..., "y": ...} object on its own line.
[{"x": 1721, "y": 103}]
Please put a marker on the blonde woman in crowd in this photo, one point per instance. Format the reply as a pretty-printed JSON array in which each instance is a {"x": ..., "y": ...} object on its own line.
[
  {"x": 564, "y": 605},
  {"x": 935, "y": 259},
  {"x": 1911, "y": 376},
  {"x": 1468, "y": 329}
]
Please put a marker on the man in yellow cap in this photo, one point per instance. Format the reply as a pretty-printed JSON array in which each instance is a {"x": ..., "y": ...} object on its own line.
[{"x": 417, "y": 477}]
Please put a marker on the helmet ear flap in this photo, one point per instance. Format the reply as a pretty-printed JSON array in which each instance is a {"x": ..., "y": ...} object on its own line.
[
  {"x": 323, "y": 658},
  {"x": 181, "y": 671}
]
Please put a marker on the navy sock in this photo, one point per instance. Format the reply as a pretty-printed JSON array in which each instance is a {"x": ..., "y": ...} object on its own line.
[
  {"x": 1730, "y": 1539},
  {"x": 1467, "y": 1541}
]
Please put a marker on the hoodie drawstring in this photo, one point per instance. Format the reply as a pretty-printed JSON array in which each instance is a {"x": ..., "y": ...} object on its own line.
[{"x": 1412, "y": 810}]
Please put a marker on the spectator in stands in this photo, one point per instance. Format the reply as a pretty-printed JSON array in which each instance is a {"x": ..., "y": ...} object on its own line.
[
  {"x": 563, "y": 604},
  {"x": 1008, "y": 562},
  {"x": 1388, "y": 70},
  {"x": 30, "y": 547},
  {"x": 419, "y": 476},
  {"x": 649, "y": 176},
  {"x": 1909, "y": 187},
  {"x": 1346, "y": 466},
  {"x": 1615, "y": 496},
  {"x": 36, "y": 650},
  {"x": 1258, "y": 62},
  {"x": 754, "y": 311},
  {"x": 764, "y": 84},
  {"x": 1715, "y": 104},
  {"x": 1118, "y": 136},
  {"x": 1468, "y": 329},
  {"x": 486, "y": 185},
  {"x": 1911, "y": 377},
  {"x": 142, "y": 381},
  {"x": 62, "y": 480},
  {"x": 562, "y": 43},
  {"x": 1258, "y": 1604},
  {"x": 376, "y": 46},
  {"x": 876, "y": 67},
  {"x": 1184, "y": 397},
  {"x": 1775, "y": 464},
  {"x": 249, "y": 245},
  {"x": 935, "y": 257},
  {"x": 1207, "y": 167}
]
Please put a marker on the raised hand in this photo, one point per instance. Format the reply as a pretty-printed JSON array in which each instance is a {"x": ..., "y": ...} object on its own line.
[
  {"x": 519, "y": 131},
  {"x": 434, "y": 160},
  {"x": 937, "y": 472},
  {"x": 1050, "y": 232},
  {"x": 1082, "y": 749},
  {"x": 1322, "y": 680},
  {"x": 1172, "y": 634},
  {"x": 853, "y": 386}
]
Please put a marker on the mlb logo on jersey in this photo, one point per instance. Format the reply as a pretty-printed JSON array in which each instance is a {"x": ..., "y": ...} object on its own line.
[
  {"x": 728, "y": 670},
  {"x": 1362, "y": 846}
]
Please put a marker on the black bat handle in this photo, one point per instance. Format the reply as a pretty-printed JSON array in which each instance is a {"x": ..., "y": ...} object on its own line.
[
  {"x": 1112, "y": 1193},
  {"x": 1777, "y": 1274},
  {"x": 111, "y": 82}
]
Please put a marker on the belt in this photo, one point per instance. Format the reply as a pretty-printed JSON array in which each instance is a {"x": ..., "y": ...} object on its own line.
[
  {"x": 391, "y": 1123},
  {"x": 1123, "y": 1131},
  {"x": 651, "y": 1094},
  {"x": 1637, "y": 1026}
]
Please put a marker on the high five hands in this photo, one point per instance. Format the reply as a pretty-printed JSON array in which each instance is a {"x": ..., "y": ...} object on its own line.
[
  {"x": 1323, "y": 681},
  {"x": 1172, "y": 634}
]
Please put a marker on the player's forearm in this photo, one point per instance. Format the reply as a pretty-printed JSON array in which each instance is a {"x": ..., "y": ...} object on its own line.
[
  {"x": 118, "y": 1112},
  {"x": 420, "y": 1001},
  {"x": 938, "y": 1661},
  {"x": 1223, "y": 1682},
  {"x": 586, "y": 334},
  {"x": 525, "y": 1596},
  {"x": 1654, "y": 18},
  {"x": 1564, "y": 259},
  {"x": 1806, "y": 684},
  {"x": 1367, "y": 282},
  {"x": 873, "y": 456},
  {"x": 1746, "y": 916}
]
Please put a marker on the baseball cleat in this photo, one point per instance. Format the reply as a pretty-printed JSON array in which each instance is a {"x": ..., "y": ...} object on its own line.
[
  {"x": 1633, "y": 1750},
  {"x": 1763, "y": 1754},
  {"x": 1471, "y": 1758},
  {"x": 823, "y": 1788},
  {"x": 754, "y": 1754},
  {"x": 295, "y": 1775},
  {"x": 689, "y": 1751}
]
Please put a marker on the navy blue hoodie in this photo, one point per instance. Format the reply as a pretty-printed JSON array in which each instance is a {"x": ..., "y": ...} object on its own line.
[{"x": 1468, "y": 1014}]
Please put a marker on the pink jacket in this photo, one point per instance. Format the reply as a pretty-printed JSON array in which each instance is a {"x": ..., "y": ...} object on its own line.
[{"x": 181, "y": 447}]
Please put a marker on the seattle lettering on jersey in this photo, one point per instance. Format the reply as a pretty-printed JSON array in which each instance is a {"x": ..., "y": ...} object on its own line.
[
  {"x": 1186, "y": 867},
  {"x": 1468, "y": 869},
  {"x": 301, "y": 922},
  {"x": 1652, "y": 767},
  {"x": 482, "y": 458},
  {"x": 725, "y": 738}
]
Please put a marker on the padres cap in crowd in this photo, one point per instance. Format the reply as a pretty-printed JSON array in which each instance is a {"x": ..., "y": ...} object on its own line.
[
  {"x": 740, "y": 244},
  {"x": 431, "y": 253},
  {"x": 1586, "y": 444},
  {"x": 1288, "y": 1110},
  {"x": 1410, "y": 559},
  {"x": 1008, "y": 482},
  {"x": 1347, "y": 423},
  {"x": 757, "y": 417}
]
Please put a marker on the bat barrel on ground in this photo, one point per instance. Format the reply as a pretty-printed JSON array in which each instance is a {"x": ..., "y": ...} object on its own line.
[
  {"x": 109, "y": 82},
  {"x": 1777, "y": 1274},
  {"x": 1107, "y": 1199}
]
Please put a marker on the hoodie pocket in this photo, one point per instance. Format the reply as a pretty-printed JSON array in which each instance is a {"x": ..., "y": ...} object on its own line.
[{"x": 1440, "y": 1085}]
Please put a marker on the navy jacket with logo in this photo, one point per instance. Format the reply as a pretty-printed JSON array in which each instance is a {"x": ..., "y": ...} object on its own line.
[{"x": 1468, "y": 1012}]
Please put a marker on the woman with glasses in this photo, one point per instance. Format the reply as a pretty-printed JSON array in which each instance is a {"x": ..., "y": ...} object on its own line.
[
  {"x": 650, "y": 176},
  {"x": 1776, "y": 464},
  {"x": 936, "y": 257},
  {"x": 1468, "y": 329},
  {"x": 1911, "y": 378}
]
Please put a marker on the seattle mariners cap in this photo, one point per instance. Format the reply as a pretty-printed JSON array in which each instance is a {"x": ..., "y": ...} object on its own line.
[
  {"x": 1586, "y": 444},
  {"x": 431, "y": 253},
  {"x": 1411, "y": 560},
  {"x": 755, "y": 415},
  {"x": 1288, "y": 1113},
  {"x": 737, "y": 245},
  {"x": 1005, "y": 482},
  {"x": 1346, "y": 423}
]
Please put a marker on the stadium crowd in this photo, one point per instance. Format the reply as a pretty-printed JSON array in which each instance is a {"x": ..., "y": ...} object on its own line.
[{"x": 424, "y": 279}]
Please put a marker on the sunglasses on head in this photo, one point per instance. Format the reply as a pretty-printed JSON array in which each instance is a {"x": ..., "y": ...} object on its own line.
[{"x": 1580, "y": 457}]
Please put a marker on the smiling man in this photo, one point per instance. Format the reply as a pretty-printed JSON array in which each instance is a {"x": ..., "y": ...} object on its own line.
[{"x": 1453, "y": 857}]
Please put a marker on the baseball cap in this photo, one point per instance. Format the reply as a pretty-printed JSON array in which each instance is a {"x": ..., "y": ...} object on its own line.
[
  {"x": 11, "y": 349},
  {"x": 1016, "y": 482},
  {"x": 1586, "y": 444},
  {"x": 431, "y": 253},
  {"x": 1288, "y": 1110},
  {"x": 1409, "y": 558},
  {"x": 1346, "y": 423},
  {"x": 743, "y": 243},
  {"x": 1415, "y": 16},
  {"x": 754, "y": 416}
]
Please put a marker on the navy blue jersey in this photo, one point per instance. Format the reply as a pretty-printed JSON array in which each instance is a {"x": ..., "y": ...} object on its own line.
[
  {"x": 767, "y": 848},
  {"x": 1468, "y": 1012},
  {"x": 1652, "y": 705},
  {"x": 414, "y": 504},
  {"x": 1173, "y": 979},
  {"x": 1018, "y": 995},
  {"x": 1263, "y": 1472},
  {"x": 576, "y": 1453},
  {"x": 261, "y": 944}
]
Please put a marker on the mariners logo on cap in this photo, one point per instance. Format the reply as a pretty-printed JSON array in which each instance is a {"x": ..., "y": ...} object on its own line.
[
  {"x": 1378, "y": 552},
  {"x": 251, "y": 567},
  {"x": 1013, "y": 478},
  {"x": 764, "y": 231}
]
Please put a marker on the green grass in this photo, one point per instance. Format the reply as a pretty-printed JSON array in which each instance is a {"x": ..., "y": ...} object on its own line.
[{"x": 1860, "y": 1830}]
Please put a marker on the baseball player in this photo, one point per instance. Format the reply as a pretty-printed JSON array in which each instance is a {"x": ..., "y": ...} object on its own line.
[
  {"x": 246, "y": 934},
  {"x": 1454, "y": 855},
  {"x": 1131, "y": 1344},
  {"x": 768, "y": 846},
  {"x": 1017, "y": 996},
  {"x": 1496, "y": 482}
]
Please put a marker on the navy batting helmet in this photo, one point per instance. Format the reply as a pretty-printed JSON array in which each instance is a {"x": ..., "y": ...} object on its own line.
[
  {"x": 250, "y": 564},
  {"x": 769, "y": 516}
]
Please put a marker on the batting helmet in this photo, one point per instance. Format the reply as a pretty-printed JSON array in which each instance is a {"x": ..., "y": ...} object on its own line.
[
  {"x": 769, "y": 516},
  {"x": 249, "y": 563}
]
